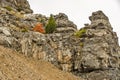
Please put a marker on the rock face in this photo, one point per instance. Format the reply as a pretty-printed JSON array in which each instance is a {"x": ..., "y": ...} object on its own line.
[
  {"x": 94, "y": 56},
  {"x": 18, "y": 34},
  {"x": 100, "y": 44},
  {"x": 99, "y": 56},
  {"x": 19, "y": 5}
]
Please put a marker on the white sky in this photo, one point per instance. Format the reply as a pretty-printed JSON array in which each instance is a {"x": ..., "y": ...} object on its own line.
[{"x": 78, "y": 11}]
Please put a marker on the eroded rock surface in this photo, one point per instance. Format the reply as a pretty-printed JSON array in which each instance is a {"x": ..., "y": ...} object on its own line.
[
  {"x": 19, "y": 5},
  {"x": 100, "y": 56}
]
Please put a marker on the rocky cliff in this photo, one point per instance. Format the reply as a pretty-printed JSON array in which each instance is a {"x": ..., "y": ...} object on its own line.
[
  {"x": 100, "y": 54},
  {"x": 92, "y": 52}
]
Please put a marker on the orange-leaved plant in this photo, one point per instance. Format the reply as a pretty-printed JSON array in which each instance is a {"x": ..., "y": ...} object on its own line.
[{"x": 39, "y": 28}]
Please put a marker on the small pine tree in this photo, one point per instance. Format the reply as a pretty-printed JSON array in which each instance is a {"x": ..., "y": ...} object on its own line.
[{"x": 51, "y": 26}]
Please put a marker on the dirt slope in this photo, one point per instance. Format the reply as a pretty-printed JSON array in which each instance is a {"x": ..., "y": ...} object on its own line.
[{"x": 14, "y": 66}]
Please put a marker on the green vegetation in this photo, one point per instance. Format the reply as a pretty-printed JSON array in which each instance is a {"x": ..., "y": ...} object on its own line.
[
  {"x": 8, "y": 8},
  {"x": 80, "y": 33},
  {"x": 81, "y": 44},
  {"x": 42, "y": 20},
  {"x": 24, "y": 30},
  {"x": 51, "y": 26},
  {"x": 19, "y": 9}
]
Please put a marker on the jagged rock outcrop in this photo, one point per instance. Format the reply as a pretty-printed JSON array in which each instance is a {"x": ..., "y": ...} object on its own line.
[
  {"x": 100, "y": 44},
  {"x": 99, "y": 56},
  {"x": 94, "y": 56},
  {"x": 19, "y": 5},
  {"x": 19, "y": 21},
  {"x": 64, "y": 25},
  {"x": 14, "y": 35}
]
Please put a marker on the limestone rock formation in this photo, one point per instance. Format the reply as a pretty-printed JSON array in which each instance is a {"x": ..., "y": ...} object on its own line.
[
  {"x": 99, "y": 56},
  {"x": 94, "y": 56}
]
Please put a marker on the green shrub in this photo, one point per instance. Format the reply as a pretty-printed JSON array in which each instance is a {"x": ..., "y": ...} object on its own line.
[
  {"x": 8, "y": 8},
  {"x": 51, "y": 26},
  {"x": 80, "y": 33}
]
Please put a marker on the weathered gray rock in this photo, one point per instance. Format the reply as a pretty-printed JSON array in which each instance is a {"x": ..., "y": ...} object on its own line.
[
  {"x": 100, "y": 51},
  {"x": 64, "y": 24},
  {"x": 110, "y": 74},
  {"x": 19, "y": 5},
  {"x": 5, "y": 31},
  {"x": 50, "y": 47},
  {"x": 94, "y": 56}
]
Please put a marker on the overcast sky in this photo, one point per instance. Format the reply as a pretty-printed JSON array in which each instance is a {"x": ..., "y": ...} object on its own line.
[{"x": 78, "y": 11}]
